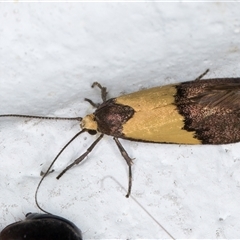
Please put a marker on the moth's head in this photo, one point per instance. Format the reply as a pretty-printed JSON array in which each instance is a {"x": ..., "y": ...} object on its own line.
[{"x": 89, "y": 124}]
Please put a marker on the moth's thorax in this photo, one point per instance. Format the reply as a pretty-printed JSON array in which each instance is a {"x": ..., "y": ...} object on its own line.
[
  {"x": 89, "y": 122},
  {"x": 111, "y": 117}
]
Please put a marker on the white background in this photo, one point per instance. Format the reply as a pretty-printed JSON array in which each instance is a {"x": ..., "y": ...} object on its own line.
[{"x": 50, "y": 54}]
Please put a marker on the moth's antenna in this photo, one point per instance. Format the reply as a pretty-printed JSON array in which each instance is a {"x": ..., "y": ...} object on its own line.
[
  {"x": 49, "y": 168},
  {"x": 42, "y": 117}
]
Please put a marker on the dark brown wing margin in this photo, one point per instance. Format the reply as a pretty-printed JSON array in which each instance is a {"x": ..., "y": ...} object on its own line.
[{"x": 211, "y": 108}]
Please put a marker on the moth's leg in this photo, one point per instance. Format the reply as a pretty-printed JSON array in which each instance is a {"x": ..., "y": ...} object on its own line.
[
  {"x": 129, "y": 163},
  {"x": 81, "y": 158},
  {"x": 91, "y": 102},
  {"x": 202, "y": 75},
  {"x": 103, "y": 90},
  {"x": 103, "y": 95},
  {"x": 43, "y": 173}
]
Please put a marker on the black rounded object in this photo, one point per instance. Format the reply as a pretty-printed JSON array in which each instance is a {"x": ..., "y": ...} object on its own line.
[{"x": 41, "y": 227}]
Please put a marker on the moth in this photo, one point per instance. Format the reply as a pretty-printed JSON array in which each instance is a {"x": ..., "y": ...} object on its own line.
[{"x": 193, "y": 112}]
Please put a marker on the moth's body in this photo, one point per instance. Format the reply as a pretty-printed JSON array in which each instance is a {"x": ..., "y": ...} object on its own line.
[{"x": 195, "y": 112}]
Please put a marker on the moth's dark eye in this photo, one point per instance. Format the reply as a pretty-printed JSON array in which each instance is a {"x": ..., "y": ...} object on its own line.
[{"x": 92, "y": 132}]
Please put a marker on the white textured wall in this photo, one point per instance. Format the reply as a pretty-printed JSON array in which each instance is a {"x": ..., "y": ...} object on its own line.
[{"x": 50, "y": 53}]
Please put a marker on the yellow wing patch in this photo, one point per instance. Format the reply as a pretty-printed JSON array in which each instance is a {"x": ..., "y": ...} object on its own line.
[{"x": 156, "y": 118}]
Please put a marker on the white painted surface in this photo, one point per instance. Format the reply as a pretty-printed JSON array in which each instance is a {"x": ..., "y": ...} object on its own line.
[{"x": 51, "y": 53}]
